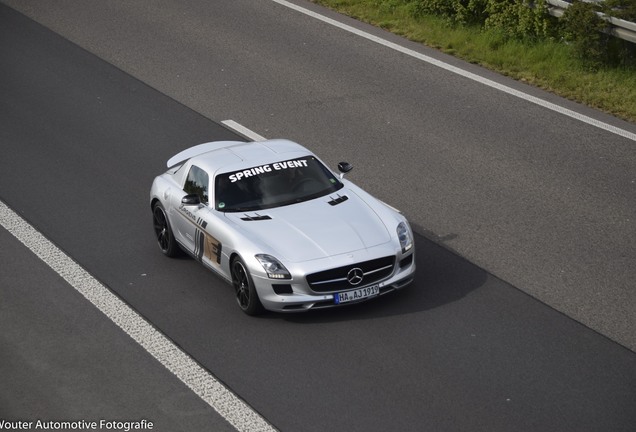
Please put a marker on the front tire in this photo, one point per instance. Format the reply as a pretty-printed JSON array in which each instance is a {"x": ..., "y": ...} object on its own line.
[
  {"x": 163, "y": 233},
  {"x": 246, "y": 295}
]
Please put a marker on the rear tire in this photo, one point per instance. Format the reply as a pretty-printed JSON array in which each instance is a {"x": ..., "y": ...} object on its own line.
[
  {"x": 163, "y": 233},
  {"x": 246, "y": 295}
]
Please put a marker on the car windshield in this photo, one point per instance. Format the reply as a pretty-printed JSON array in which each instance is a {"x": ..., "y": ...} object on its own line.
[{"x": 273, "y": 185}]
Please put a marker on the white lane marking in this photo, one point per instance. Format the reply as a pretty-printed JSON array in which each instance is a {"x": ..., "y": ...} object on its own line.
[
  {"x": 243, "y": 130},
  {"x": 199, "y": 380},
  {"x": 545, "y": 104}
]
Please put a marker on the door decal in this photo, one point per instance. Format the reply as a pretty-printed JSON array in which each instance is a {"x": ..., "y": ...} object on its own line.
[{"x": 207, "y": 246}]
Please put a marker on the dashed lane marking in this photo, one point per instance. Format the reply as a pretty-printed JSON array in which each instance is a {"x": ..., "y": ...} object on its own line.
[{"x": 243, "y": 130}]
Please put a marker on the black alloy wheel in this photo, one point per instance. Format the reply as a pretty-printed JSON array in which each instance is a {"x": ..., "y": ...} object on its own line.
[
  {"x": 246, "y": 295},
  {"x": 163, "y": 233}
]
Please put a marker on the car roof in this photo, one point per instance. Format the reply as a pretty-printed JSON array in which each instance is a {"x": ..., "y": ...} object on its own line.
[{"x": 227, "y": 156}]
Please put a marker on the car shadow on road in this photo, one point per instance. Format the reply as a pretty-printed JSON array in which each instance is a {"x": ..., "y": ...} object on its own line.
[{"x": 442, "y": 277}]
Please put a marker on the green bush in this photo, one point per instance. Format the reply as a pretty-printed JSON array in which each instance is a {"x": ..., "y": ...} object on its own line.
[
  {"x": 586, "y": 31},
  {"x": 580, "y": 25},
  {"x": 514, "y": 18},
  {"x": 456, "y": 11},
  {"x": 443, "y": 8},
  {"x": 519, "y": 19},
  {"x": 472, "y": 11}
]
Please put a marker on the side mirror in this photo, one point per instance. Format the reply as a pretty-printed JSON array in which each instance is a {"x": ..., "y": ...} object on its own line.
[
  {"x": 191, "y": 200},
  {"x": 344, "y": 167}
]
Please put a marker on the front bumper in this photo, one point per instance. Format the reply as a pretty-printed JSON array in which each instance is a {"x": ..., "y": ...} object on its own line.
[{"x": 295, "y": 295}]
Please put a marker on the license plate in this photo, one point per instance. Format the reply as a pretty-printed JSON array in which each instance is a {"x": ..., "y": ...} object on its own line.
[{"x": 358, "y": 294}]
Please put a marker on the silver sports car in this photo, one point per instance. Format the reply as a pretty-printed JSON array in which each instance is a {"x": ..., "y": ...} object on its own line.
[{"x": 287, "y": 232}]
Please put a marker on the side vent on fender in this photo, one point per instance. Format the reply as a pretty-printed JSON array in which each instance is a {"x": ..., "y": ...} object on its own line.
[
  {"x": 256, "y": 217},
  {"x": 336, "y": 201}
]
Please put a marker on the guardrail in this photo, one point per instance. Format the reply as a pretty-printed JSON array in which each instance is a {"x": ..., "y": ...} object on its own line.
[{"x": 622, "y": 29}]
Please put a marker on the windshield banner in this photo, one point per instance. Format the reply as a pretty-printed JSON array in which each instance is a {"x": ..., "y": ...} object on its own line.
[{"x": 299, "y": 163}]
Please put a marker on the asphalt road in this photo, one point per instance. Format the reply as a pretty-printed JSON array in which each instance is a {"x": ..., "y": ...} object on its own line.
[
  {"x": 61, "y": 359},
  {"x": 459, "y": 350},
  {"x": 543, "y": 201}
]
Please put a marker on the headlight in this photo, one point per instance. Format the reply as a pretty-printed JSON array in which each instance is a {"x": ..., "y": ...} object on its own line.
[
  {"x": 404, "y": 234},
  {"x": 273, "y": 267}
]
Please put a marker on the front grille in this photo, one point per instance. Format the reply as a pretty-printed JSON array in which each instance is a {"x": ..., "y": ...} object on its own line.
[{"x": 336, "y": 279}]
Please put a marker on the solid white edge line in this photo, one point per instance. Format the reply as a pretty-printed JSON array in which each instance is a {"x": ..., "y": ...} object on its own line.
[
  {"x": 243, "y": 130},
  {"x": 234, "y": 410},
  {"x": 545, "y": 104}
]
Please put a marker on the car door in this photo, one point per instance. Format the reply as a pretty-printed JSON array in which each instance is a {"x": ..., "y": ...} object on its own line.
[{"x": 189, "y": 219}]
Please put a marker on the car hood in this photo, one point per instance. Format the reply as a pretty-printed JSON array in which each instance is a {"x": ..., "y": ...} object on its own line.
[{"x": 315, "y": 229}]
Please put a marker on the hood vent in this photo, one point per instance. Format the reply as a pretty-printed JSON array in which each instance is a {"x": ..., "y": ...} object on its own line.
[
  {"x": 256, "y": 217},
  {"x": 336, "y": 201}
]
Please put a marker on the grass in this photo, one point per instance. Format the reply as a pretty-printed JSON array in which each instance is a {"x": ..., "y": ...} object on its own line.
[{"x": 550, "y": 65}]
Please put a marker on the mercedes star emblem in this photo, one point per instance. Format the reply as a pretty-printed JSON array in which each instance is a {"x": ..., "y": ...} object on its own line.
[{"x": 355, "y": 276}]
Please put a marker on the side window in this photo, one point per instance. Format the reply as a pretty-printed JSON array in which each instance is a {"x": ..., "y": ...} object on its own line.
[{"x": 197, "y": 183}]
